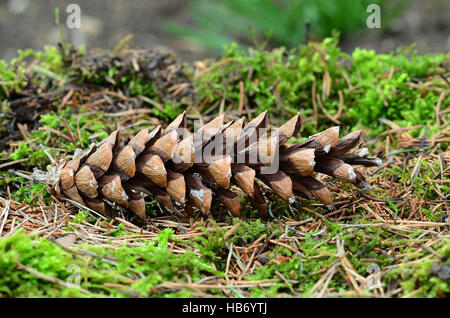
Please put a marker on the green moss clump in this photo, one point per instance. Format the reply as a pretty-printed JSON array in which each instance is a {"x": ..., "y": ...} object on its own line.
[
  {"x": 137, "y": 269},
  {"x": 248, "y": 231},
  {"x": 362, "y": 87},
  {"x": 83, "y": 129},
  {"x": 372, "y": 85},
  {"x": 49, "y": 66},
  {"x": 422, "y": 279}
]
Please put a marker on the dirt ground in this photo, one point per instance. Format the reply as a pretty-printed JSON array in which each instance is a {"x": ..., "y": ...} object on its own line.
[{"x": 30, "y": 24}]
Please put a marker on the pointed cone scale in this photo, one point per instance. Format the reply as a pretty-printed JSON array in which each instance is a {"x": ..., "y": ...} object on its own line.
[
  {"x": 346, "y": 143},
  {"x": 254, "y": 129},
  {"x": 74, "y": 164},
  {"x": 299, "y": 187},
  {"x": 323, "y": 195},
  {"x": 67, "y": 173},
  {"x": 138, "y": 142},
  {"x": 164, "y": 199},
  {"x": 291, "y": 128},
  {"x": 159, "y": 194},
  {"x": 124, "y": 161},
  {"x": 267, "y": 150},
  {"x": 86, "y": 183},
  {"x": 179, "y": 122},
  {"x": 176, "y": 186},
  {"x": 221, "y": 171},
  {"x": 259, "y": 122},
  {"x": 336, "y": 168},
  {"x": 111, "y": 188},
  {"x": 303, "y": 161},
  {"x": 136, "y": 203},
  {"x": 230, "y": 200},
  {"x": 200, "y": 195},
  {"x": 183, "y": 157},
  {"x": 152, "y": 167},
  {"x": 345, "y": 172},
  {"x": 244, "y": 177},
  {"x": 72, "y": 194},
  {"x": 207, "y": 132},
  {"x": 212, "y": 127},
  {"x": 317, "y": 189},
  {"x": 281, "y": 185},
  {"x": 258, "y": 201},
  {"x": 262, "y": 153},
  {"x": 67, "y": 178},
  {"x": 327, "y": 138},
  {"x": 202, "y": 199},
  {"x": 152, "y": 137},
  {"x": 57, "y": 189},
  {"x": 99, "y": 206},
  {"x": 233, "y": 132},
  {"x": 166, "y": 145},
  {"x": 101, "y": 159}
]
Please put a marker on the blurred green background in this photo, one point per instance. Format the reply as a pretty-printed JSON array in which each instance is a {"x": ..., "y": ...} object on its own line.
[
  {"x": 199, "y": 28},
  {"x": 283, "y": 23}
]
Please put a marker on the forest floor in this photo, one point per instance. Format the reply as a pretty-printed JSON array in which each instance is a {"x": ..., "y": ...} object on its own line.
[{"x": 392, "y": 241}]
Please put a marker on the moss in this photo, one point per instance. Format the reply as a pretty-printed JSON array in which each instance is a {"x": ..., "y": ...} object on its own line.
[
  {"x": 248, "y": 231},
  {"x": 82, "y": 128},
  {"x": 26, "y": 194},
  {"x": 281, "y": 82},
  {"x": 421, "y": 279},
  {"x": 400, "y": 86},
  {"x": 420, "y": 185},
  {"x": 138, "y": 269},
  {"x": 48, "y": 66}
]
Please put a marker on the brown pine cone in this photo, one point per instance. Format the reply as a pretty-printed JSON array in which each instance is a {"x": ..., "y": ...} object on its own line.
[{"x": 191, "y": 170}]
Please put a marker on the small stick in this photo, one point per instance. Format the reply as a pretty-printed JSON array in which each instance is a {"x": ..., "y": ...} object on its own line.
[
  {"x": 48, "y": 154},
  {"x": 35, "y": 196},
  {"x": 426, "y": 248},
  {"x": 241, "y": 97},
  {"x": 50, "y": 278},
  {"x": 5, "y": 212},
  {"x": 69, "y": 131},
  {"x": 80, "y": 206},
  {"x": 7, "y": 164},
  {"x": 227, "y": 266},
  {"x": 285, "y": 280}
]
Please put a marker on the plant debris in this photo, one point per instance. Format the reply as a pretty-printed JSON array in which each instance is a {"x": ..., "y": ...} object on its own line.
[{"x": 392, "y": 241}]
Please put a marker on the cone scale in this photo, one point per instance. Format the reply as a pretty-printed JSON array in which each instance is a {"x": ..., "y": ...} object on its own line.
[{"x": 219, "y": 161}]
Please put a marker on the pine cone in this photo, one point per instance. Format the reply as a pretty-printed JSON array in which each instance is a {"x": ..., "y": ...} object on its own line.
[{"x": 190, "y": 170}]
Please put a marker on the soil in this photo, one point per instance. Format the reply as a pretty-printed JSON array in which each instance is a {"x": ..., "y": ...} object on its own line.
[{"x": 30, "y": 24}]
